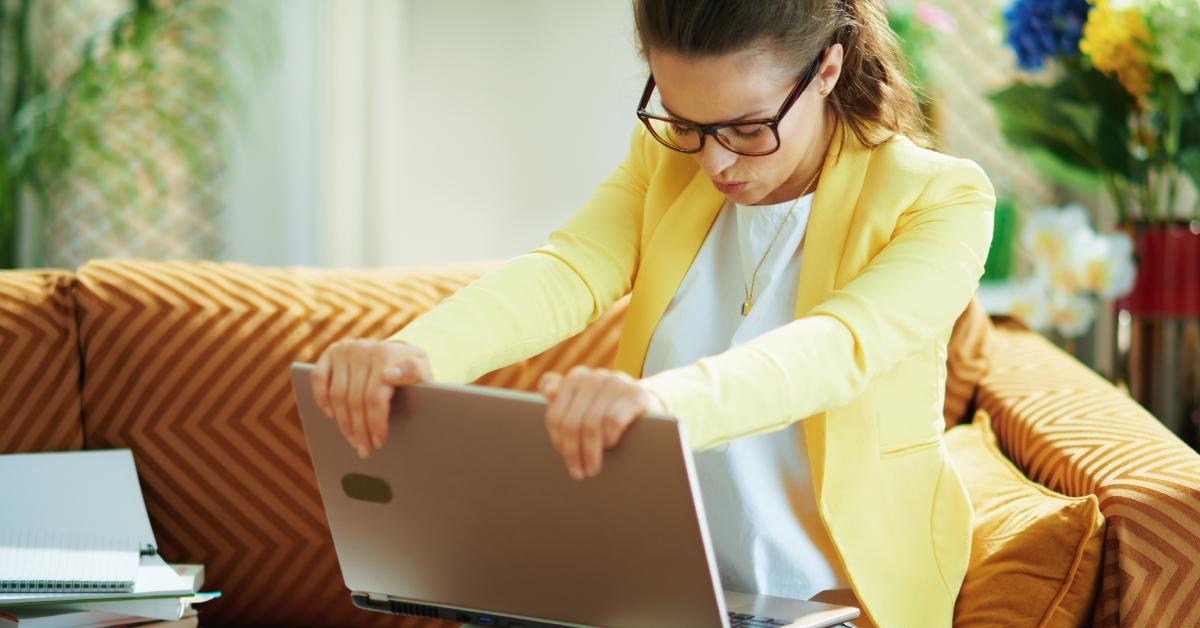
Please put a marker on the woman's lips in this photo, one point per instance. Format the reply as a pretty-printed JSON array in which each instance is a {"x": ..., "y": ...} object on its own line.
[{"x": 730, "y": 188}]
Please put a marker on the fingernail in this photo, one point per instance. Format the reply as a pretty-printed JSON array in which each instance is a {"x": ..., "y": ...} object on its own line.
[
  {"x": 377, "y": 441},
  {"x": 394, "y": 372},
  {"x": 362, "y": 452}
]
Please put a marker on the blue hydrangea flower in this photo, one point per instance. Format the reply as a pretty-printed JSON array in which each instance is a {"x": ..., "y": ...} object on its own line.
[{"x": 1041, "y": 29}]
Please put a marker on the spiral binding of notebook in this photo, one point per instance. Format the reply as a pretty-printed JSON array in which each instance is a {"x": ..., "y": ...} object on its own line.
[{"x": 40, "y": 561}]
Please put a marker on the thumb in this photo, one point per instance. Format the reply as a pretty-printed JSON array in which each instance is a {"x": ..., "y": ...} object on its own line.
[
  {"x": 395, "y": 374},
  {"x": 548, "y": 384}
]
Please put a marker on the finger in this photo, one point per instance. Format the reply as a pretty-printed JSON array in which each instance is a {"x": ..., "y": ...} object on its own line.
[
  {"x": 356, "y": 390},
  {"x": 548, "y": 384},
  {"x": 379, "y": 408},
  {"x": 337, "y": 394},
  {"x": 319, "y": 379},
  {"x": 557, "y": 417},
  {"x": 618, "y": 419},
  {"x": 375, "y": 394},
  {"x": 424, "y": 370},
  {"x": 396, "y": 374},
  {"x": 554, "y": 413},
  {"x": 591, "y": 444},
  {"x": 377, "y": 401},
  {"x": 583, "y": 388}
]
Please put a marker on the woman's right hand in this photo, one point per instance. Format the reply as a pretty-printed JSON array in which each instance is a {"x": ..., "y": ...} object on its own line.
[{"x": 353, "y": 382}]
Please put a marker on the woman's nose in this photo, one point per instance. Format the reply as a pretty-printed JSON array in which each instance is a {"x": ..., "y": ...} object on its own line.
[{"x": 714, "y": 158}]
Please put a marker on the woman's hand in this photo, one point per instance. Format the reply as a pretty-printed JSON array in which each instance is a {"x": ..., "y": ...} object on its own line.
[
  {"x": 353, "y": 383},
  {"x": 589, "y": 410}
]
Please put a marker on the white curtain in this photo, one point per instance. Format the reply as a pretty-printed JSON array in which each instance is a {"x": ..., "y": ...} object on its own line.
[{"x": 426, "y": 132}]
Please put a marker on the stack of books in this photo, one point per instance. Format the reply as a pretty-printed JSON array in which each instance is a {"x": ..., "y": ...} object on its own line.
[
  {"x": 162, "y": 597},
  {"x": 76, "y": 548}
]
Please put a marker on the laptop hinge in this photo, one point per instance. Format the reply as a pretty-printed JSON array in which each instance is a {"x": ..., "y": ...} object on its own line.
[{"x": 375, "y": 597}]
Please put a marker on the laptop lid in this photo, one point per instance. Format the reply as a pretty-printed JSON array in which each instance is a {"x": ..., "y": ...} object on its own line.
[{"x": 468, "y": 505}]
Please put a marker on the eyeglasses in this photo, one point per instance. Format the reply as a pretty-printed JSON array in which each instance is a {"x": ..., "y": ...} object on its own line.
[{"x": 751, "y": 138}]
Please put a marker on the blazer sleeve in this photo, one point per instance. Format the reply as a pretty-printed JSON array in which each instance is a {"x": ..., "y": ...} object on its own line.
[
  {"x": 534, "y": 300},
  {"x": 907, "y": 295}
]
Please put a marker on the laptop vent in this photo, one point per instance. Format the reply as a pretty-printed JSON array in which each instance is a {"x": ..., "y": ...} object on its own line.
[{"x": 416, "y": 610}]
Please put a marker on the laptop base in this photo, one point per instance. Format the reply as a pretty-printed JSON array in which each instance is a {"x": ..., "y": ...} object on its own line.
[{"x": 743, "y": 606}]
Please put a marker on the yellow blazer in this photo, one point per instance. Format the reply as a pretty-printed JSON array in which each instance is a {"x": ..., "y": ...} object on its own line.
[{"x": 894, "y": 249}]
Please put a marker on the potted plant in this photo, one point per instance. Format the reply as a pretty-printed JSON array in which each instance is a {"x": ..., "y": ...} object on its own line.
[
  {"x": 1110, "y": 102},
  {"x": 122, "y": 153}
]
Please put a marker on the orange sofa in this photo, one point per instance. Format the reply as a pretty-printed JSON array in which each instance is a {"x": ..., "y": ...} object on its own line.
[{"x": 186, "y": 364}]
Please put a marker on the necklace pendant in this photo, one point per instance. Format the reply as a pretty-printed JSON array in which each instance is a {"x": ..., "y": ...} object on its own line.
[{"x": 745, "y": 307}]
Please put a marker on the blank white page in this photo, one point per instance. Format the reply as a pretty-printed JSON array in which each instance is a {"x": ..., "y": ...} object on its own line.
[{"x": 73, "y": 517}]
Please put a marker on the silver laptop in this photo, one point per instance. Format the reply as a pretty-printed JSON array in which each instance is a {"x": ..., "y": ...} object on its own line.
[{"x": 467, "y": 514}]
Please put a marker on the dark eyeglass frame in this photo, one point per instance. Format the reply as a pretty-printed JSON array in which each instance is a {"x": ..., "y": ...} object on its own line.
[{"x": 711, "y": 129}]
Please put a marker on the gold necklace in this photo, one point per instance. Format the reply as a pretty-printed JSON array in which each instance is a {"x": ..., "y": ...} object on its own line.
[{"x": 749, "y": 302}]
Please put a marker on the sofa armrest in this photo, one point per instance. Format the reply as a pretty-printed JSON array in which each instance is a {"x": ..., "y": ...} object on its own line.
[{"x": 1070, "y": 429}]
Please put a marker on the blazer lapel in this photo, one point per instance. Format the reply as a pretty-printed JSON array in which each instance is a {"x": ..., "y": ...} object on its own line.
[
  {"x": 665, "y": 262},
  {"x": 825, "y": 241},
  {"x": 829, "y": 222}
]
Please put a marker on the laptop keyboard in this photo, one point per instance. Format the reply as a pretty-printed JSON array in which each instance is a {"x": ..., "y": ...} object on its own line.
[{"x": 742, "y": 620}]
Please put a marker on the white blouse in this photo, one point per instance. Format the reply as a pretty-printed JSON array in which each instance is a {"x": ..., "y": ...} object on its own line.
[{"x": 757, "y": 491}]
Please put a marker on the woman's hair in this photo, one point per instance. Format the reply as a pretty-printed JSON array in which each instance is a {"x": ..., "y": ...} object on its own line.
[{"x": 873, "y": 96}]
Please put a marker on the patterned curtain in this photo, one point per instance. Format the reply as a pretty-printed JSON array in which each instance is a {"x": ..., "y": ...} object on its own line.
[{"x": 140, "y": 137}]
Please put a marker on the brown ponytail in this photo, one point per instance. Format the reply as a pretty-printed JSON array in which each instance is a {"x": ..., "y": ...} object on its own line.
[{"x": 873, "y": 96}]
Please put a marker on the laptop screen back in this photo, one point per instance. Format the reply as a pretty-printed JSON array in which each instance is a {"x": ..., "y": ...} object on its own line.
[{"x": 468, "y": 505}]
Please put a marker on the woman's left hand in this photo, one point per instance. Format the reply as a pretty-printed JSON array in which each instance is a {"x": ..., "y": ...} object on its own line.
[{"x": 589, "y": 410}]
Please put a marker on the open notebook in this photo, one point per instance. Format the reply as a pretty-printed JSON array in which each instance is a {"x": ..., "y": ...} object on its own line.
[{"x": 72, "y": 522}]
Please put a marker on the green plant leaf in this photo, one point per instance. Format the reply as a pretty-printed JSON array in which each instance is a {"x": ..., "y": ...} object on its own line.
[
  {"x": 1110, "y": 133},
  {"x": 1084, "y": 180},
  {"x": 1030, "y": 117},
  {"x": 1189, "y": 162}
]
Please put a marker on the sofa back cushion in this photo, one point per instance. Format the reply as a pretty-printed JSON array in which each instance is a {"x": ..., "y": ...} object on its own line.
[
  {"x": 967, "y": 356},
  {"x": 187, "y": 365},
  {"x": 39, "y": 361},
  {"x": 1035, "y": 554}
]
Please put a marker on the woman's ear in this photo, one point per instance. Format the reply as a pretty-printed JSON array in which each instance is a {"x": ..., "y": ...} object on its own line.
[{"x": 831, "y": 69}]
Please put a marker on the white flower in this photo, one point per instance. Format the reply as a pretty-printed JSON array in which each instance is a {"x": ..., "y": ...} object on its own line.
[
  {"x": 1103, "y": 264},
  {"x": 1071, "y": 314},
  {"x": 1062, "y": 277},
  {"x": 1030, "y": 303},
  {"x": 1072, "y": 265},
  {"x": 1049, "y": 233}
]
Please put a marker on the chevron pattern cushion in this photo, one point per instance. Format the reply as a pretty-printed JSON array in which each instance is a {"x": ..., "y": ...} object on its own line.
[
  {"x": 1035, "y": 554},
  {"x": 187, "y": 364},
  {"x": 39, "y": 361},
  {"x": 1072, "y": 431}
]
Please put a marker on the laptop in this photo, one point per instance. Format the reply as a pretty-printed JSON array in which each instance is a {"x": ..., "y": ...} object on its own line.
[{"x": 467, "y": 514}]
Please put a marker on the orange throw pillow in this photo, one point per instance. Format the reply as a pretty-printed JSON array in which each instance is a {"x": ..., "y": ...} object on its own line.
[{"x": 1035, "y": 554}]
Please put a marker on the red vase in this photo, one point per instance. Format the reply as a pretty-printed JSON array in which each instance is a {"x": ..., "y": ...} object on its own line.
[
  {"x": 1168, "y": 271},
  {"x": 1162, "y": 366}
]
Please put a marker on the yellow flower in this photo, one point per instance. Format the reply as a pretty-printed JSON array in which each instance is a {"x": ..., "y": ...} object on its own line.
[{"x": 1117, "y": 42}]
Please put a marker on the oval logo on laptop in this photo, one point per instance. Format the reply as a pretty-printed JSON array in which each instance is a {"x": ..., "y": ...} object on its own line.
[{"x": 366, "y": 488}]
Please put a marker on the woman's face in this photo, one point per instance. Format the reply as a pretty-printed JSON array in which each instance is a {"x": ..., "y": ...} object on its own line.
[{"x": 746, "y": 85}]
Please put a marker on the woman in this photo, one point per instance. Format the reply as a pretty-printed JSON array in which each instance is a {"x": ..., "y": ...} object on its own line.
[{"x": 799, "y": 336}]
